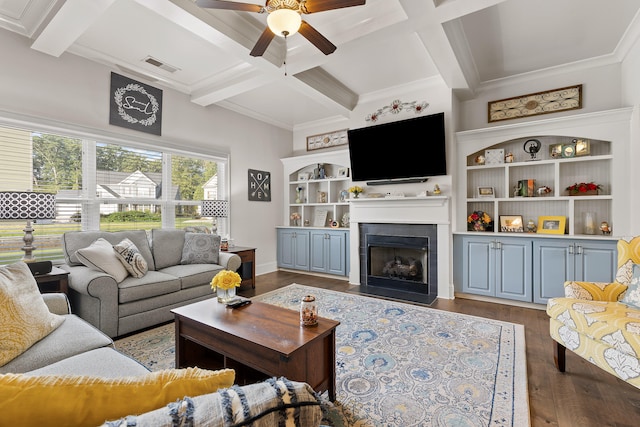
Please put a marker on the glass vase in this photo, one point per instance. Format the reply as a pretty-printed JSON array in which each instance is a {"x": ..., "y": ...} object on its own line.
[
  {"x": 308, "y": 311},
  {"x": 225, "y": 295}
]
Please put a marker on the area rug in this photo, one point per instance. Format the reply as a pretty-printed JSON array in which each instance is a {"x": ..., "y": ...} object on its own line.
[{"x": 400, "y": 364}]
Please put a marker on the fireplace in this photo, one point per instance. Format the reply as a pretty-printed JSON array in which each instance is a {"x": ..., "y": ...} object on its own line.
[{"x": 399, "y": 261}]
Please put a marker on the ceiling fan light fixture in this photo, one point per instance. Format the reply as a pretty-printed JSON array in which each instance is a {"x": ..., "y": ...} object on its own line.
[{"x": 284, "y": 22}]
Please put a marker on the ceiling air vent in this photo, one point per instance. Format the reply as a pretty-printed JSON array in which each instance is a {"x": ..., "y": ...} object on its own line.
[{"x": 157, "y": 63}]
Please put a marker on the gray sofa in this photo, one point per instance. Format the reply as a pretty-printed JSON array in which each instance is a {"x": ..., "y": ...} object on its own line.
[
  {"x": 74, "y": 348},
  {"x": 136, "y": 303},
  {"x": 77, "y": 348}
]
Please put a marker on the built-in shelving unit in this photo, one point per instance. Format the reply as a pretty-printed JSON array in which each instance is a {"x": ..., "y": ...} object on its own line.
[
  {"x": 606, "y": 133},
  {"x": 555, "y": 174},
  {"x": 532, "y": 267},
  {"x": 317, "y": 200}
]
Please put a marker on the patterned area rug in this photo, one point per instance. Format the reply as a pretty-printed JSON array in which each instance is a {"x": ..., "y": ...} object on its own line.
[{"x": 400, "y": 364}]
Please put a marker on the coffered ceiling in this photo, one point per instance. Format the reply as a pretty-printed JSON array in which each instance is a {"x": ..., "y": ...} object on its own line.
[{"x": 383, "y": 47}]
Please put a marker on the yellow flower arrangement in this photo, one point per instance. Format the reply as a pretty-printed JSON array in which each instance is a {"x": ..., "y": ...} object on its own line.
[
  {"x": 356, "y": 190},
  {"x": 226, "y": 279}
]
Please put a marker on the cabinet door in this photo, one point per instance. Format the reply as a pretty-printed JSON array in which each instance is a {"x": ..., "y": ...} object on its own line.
[
  {"x": 595, "y": 261},
  {"x": 301, "y": 252},
  {"x": 328, "y": 252},
  {"x": 478, "y": 265},
  {"x": 318, "y": 253},
  {"x": 286, "y": 248},
  {"x": 553, "y": 263},
  {"x": 513, "y": 269},
  {"x": 337, "y": 253},
  {"x": 293, "y": 249}
]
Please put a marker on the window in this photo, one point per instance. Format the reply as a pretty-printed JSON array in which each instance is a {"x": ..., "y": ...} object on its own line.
[{"x": 109, "y": 186}]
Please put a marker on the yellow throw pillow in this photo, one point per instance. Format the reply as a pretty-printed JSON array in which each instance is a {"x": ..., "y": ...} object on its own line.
[
  {"x": 75, "y": 400},
  {"x": 24, "y": 317}
]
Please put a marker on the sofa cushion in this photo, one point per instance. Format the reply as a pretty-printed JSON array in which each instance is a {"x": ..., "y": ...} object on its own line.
[
  {"x": 152, "y": 284},
  {"x": 192, "y": 275},
  {"x": 103, "y": 362},
  {"x": 74, "y": 240},
  {"x": 200, "y": 248},
  {"x": 101, "y": 256},
  {"x": 24, "y": 317},
  {"x": 167, "y": 247},
  {"x": 77, "y": 400},
  {"x": 72, "y": 337},
  {"x": 269, "y": 403},
  {"x": 131, "y": 258},
  {"x": 632, "y": 295}
]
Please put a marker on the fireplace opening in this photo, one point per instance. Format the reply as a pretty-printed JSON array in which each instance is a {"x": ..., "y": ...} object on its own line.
[{"x": 399, "y": 261}]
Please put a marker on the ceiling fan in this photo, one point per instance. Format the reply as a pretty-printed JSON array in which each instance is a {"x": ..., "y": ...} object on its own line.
[{"x": 285, "y": 19}]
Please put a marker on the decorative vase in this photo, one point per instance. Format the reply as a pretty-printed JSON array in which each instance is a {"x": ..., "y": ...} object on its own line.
[
  {"x": 356, "y": 195},
  {"x": 225, "y": 295}
]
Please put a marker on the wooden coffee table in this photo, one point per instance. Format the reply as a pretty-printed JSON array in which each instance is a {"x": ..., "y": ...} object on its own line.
[{"x": 258, "y": 341}]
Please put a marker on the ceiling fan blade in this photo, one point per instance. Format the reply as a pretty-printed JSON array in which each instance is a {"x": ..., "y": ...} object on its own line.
[
  {"x": 317, "y": 39},
  {"x": 229, "y": 5},
  {"x": 313, "y": 6},
  {"x": 263, "y": 43}
]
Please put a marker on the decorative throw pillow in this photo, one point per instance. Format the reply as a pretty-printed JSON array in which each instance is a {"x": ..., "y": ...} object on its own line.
[
  {"x": 131, "y": 258},
  {"x": 24, "y": 317},
  {"x": 200, "y": 248},
  {"x": 101, "y": 256},
  {"x": 273, "y": 402},
  {"x": 632, "y": 295},
  {"x": 76, "y": 400}
]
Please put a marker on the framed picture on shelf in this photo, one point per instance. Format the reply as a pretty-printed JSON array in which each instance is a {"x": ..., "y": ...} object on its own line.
[
  {"x": 320, "y": 217},
  {"x": 485, "y": 192},
  {"x": 551, "y": 224},
  {"x": 583, "y": 148},
  {"x": 511, "y": 224},
  {"x": 343, "y": 172},
  {"x": 555, "y": 151}
]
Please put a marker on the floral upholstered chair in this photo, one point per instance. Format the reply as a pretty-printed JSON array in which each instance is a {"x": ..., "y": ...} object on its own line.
[{"x": 601, "y": 321}]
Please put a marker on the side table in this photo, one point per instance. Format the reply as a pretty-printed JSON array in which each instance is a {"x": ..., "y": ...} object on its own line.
[
  {"x": 55, "y": 281},
  {"x": 247, "y": 269}
]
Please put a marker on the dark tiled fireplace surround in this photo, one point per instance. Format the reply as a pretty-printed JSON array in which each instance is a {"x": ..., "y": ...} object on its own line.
[{"x": 399, "y": 261}]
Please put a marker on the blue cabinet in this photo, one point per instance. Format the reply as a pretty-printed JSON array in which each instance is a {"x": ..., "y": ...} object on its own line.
[
  {"x": 316, "y": 250},
  {"x": 529, "y": 269},
  {"x": 556, "y": 261},
  {"x": 329, "y": 252},
  {"x": 497, "y": 267},
  {"x": 293, "y": 248}
]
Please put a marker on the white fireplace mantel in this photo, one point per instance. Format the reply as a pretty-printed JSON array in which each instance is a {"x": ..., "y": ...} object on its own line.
[{"x": 404, "y": 210}]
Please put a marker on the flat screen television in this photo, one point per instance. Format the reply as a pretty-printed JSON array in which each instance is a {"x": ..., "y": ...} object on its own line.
[{"x": 409, "y": 150}]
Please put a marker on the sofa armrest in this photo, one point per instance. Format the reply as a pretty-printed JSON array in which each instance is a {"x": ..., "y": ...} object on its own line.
[
  {"x": 594, "y": 291},
  {"x": 58, "y": 303},
  {"x": 229, "y": 261},
  {"x": 94, "y": 297}
]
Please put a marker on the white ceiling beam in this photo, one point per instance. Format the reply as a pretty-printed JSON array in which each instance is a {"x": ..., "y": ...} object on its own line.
[
  {"x": 449, "y": 11},
  {"x": 69, "y": 23},
  {"x": 433, "y": 36}
]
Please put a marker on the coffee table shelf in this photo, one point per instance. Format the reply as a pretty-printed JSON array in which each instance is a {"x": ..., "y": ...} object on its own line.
[{"x": 257, "y": 341}]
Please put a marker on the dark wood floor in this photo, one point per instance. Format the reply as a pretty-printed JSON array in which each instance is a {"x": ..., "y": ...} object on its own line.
[{"x": 583, "y": 396}]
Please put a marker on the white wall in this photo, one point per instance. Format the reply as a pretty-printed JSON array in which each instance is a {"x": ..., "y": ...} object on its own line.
[
  {"x": 601, "y": 90},
  {"x": 73, "y": 90}
]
